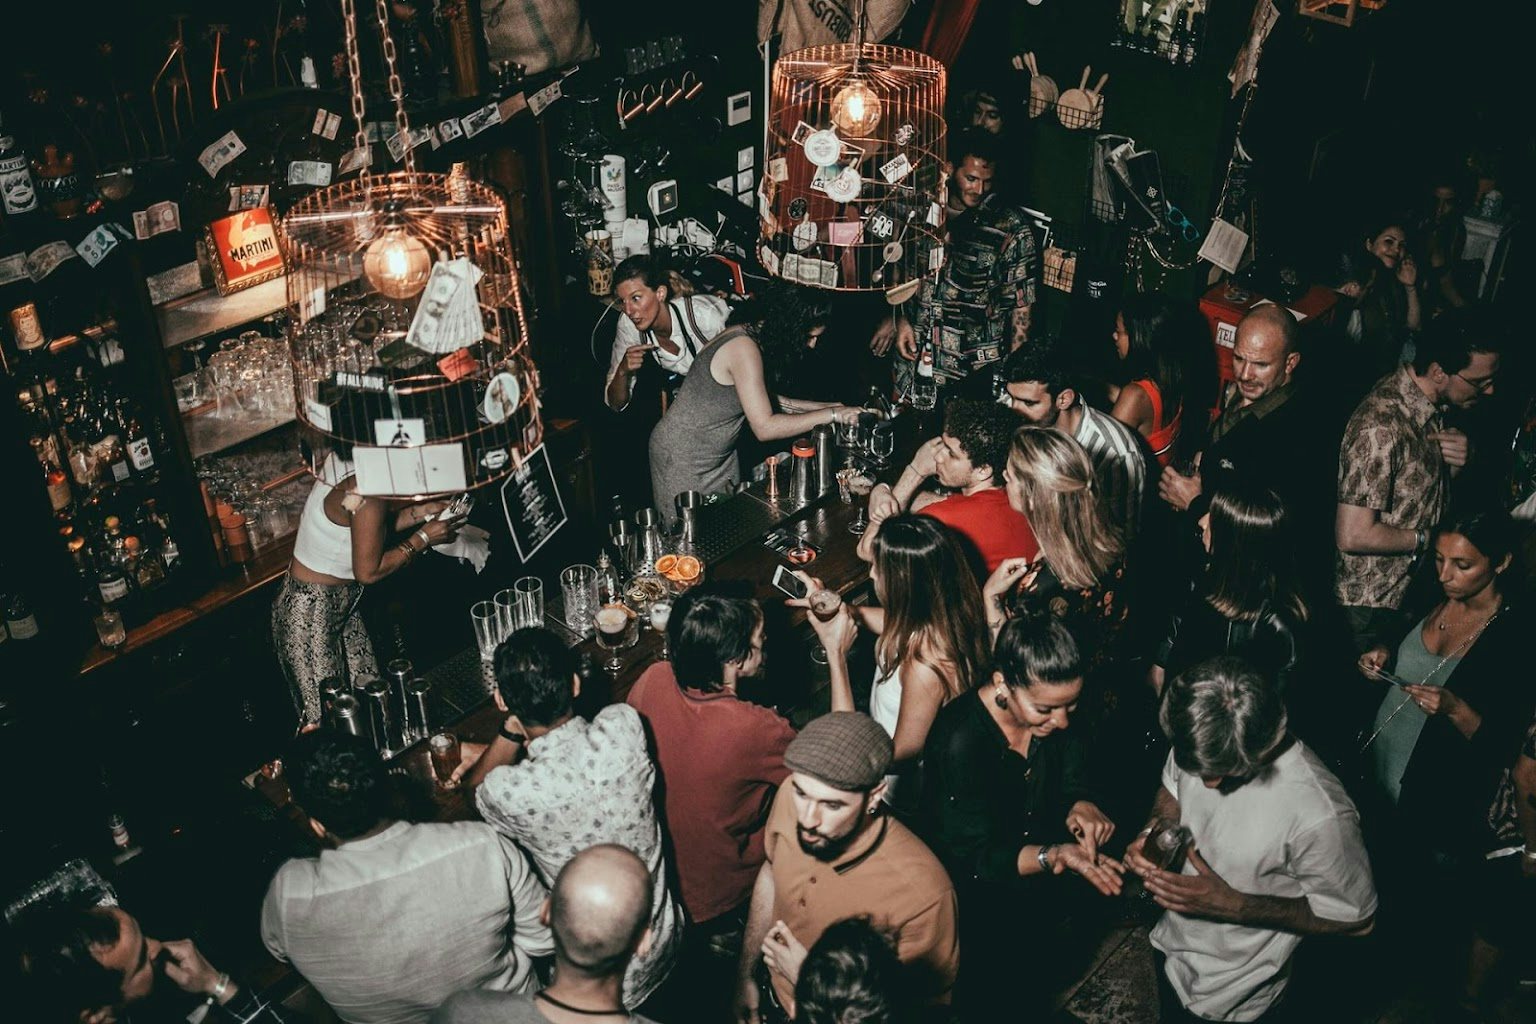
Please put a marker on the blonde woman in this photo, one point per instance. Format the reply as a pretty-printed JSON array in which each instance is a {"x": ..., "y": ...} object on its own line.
[{"x": 1079, "y": 574}]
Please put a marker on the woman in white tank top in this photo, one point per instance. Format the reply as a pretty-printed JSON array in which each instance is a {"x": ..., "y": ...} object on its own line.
[
  {"x": 933, "y": 642},
  {"x": 345, "y": 541}
]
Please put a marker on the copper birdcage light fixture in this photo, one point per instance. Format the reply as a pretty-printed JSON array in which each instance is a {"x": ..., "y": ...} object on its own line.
[
  {"x": 852, "y": 189},
  {"x": 407, "y": 332}
]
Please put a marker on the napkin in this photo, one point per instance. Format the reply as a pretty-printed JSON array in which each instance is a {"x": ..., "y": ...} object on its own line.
[{"x": 472, "y": 545}]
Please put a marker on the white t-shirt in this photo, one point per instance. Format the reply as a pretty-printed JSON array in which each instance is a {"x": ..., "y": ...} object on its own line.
[
  {"x": 1291, "y": 832},
  {"x": 709, "y": 314}
]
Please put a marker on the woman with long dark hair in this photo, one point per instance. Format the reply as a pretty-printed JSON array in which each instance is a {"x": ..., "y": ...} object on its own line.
[
  {"x": 1452, "y": 721},
  {"x": 1247, "y": 601},
  {"x": 1384, "y": 282},
  {"x": 933, "y": 642},
  {"x": 693, "y": 448},
  {"x": 1155, "y": 339}
]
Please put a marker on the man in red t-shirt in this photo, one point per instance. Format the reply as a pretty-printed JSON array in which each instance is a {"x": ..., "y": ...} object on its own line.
[
  {"x": 967, "y": 460},
  {"x": 721, "y": 758}
]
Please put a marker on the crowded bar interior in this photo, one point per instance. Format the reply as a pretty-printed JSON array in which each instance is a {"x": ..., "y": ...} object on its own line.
[{"x": 882, "y": 511}]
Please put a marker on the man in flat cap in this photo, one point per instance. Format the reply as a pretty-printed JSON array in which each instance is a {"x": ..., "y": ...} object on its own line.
[{"x": 834, "y": 853}]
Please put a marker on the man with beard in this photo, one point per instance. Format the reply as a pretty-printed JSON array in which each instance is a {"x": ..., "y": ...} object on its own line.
[
  {"x": 720, "y": 757},
  {"x": 95, "y": 965},
  {"x": 832, "y": 853}
]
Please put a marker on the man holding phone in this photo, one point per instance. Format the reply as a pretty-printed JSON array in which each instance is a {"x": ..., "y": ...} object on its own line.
[{"x": 1276, "y": 853}]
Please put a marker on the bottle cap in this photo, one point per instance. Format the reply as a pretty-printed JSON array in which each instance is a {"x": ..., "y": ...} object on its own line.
[
  {"x": 131, "y": 544},
  {"x": 803, "y": 448},
  {"x": 112, "y": 522}
]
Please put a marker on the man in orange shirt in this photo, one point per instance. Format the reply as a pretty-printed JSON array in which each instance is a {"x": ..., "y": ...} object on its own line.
[{"x": 833, "y": 853}]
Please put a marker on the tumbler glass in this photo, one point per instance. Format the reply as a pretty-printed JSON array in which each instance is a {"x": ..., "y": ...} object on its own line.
[
  {"x": 443, "y": 748},
  {"x": 527, "y": 602},
  {"x": 482, "y": 615},
  {"x": 578, "y": 588},
  {"x": 660, "y": 615},
  {"x": 506, "y": 622},
  {"x": 109, "y": 629}
]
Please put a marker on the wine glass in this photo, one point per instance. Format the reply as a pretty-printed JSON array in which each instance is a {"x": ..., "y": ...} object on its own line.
[
  {"x": 661, "y": 614},
  {"x": 618, "y": 628}
]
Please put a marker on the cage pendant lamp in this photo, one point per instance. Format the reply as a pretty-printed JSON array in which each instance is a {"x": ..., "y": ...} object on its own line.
[
  {"x": 852, "y": 187},
  {"x": 407, "y": 329}
]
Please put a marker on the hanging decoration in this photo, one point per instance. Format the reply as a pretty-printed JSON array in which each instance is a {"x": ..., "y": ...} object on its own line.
[
  {"x": 851, "y": 196},
  {"x": 1339, "y": 12},
  {"x": 408, "y": 333}
]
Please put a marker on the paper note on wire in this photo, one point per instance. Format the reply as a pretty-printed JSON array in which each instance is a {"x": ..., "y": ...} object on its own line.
[
  {"x": 448, "y": 317},
  {"x": 1224, "y": 245}
]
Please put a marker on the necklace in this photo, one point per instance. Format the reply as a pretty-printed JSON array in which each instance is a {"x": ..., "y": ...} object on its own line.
[
  {"x": 1432, "y": 673},
  {"x": 1442, "y": 625},
  {"x": 551, "y": 1000}
]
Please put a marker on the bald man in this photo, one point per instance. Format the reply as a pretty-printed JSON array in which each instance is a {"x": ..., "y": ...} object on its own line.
[{"x": 599, "y": 912}]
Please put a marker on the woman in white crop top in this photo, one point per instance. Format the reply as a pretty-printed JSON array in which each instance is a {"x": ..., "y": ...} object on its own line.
[
  {"x": 932, "y": 644},
  {"x": 344, "y": 543}
]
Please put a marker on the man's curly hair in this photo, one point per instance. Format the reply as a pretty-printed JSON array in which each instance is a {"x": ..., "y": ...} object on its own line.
[
  {"x": 339, "y": 780},
  {"x": 984, "y": 430}
]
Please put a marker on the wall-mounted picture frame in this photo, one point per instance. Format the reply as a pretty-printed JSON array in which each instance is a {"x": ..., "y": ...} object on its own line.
[{"x": 244, "y": 250}]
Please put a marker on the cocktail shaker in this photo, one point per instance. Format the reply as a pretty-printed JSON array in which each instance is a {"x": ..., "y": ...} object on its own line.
[
  {"x": 802, "y": 475},
  {"x": 347, "y": 714},
  {"x": 826, "y": 453}
]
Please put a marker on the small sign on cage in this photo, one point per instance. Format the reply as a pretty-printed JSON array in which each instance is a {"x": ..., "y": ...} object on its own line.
[
  {"x": 247, "y": 249},
  {"x": 399, "y": 433},
  {"x": 1060, "y": 268}
]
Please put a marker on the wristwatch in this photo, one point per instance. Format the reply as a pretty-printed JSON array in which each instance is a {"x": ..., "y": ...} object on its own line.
[{"x": 514, "y": 737}]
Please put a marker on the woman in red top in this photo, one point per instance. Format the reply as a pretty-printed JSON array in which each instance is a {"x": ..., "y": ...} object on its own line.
[{"x": 1157, "y": 338}]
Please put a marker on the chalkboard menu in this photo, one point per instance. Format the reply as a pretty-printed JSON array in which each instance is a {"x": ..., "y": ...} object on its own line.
[{"x": 532, "y": 503}]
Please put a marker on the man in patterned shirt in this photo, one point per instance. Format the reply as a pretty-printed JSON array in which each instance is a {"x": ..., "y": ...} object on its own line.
[
  {"x": 558, "y": 784},
  {"x": 1396, "y": 464},
  {"x": 977, "y": 308}
]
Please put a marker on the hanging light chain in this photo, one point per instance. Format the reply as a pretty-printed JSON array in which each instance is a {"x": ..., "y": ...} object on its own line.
[
  {"x": 396, "y": 88},
  {"x": 355, "y": 77}
]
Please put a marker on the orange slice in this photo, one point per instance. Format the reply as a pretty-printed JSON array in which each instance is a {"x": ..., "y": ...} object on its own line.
[
  {"x": 688, "y": 568},
  {"x": 665, "y": 564}
]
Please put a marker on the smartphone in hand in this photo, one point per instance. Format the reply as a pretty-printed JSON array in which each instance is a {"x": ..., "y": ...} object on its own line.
[{"x": 785, "y": 579}]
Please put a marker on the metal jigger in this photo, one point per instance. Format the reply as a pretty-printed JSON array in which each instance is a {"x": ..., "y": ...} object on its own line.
[
  {"x": 773, "y": 478},
  {"x": 688, "y": 504}
]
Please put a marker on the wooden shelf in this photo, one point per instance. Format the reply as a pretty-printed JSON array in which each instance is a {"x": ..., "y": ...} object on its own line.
[
  {"x": 209, "y": 434},
  {"x": 234, "y": 584},
  {"x": 207, "y": 312}
]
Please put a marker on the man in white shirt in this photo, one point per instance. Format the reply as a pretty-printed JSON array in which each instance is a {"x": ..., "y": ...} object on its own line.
[
  {"x": 392, "y": 918},
  {"x": 1037, "y": 386},
  {"x": 1276, "y": 852},
  {"x": 671, "y": 329}
]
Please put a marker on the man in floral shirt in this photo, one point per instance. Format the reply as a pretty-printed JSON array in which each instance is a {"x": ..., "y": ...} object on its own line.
[
  {"x": 1395, "y": 468},
  {"x": 977, "y": 308},
  {"x": 558, "y": 784}
]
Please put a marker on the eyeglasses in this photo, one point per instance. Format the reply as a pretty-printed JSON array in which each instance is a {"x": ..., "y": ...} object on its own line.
[
  {"x": 1177, "y": 219},
  {"x": 1482, "y": 386}
]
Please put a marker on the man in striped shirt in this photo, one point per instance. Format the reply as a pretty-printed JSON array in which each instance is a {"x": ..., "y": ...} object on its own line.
[{"x": 1038, "y": 388}]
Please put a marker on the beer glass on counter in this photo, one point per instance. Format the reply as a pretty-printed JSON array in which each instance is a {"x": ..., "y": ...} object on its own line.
[
  {"x": 443, "y": 748},
  {"x": 482, "y": 615}
]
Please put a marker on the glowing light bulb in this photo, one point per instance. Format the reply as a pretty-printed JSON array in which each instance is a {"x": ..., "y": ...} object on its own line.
[
  {"x": 397, "y": 264},
  {"x": 856, "y": 108}
]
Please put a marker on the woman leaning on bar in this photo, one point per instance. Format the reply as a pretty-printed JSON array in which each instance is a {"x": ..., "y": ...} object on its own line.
[
  {"x": 345, "y": 541},
  {"x": 693, "y": 448}
]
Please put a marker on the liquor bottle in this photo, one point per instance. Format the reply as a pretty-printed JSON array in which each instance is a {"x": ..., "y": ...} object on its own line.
[
  {"x": 170, "y": 551},
  {"x": 1194, "y": 32},
  {"x": 18, "y": 190},
  {"x": 141, "y": 452},
  {"x": 80, "y": 557},
  {"x": 55, "y": 480},
  {"x": 148, "y": 571},
  {"x": 107, "y": 444},
  {"x": 20, "y": 622},
  {"x": 1178, "y": 35},
  {"x": 925, "y": 386}
]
